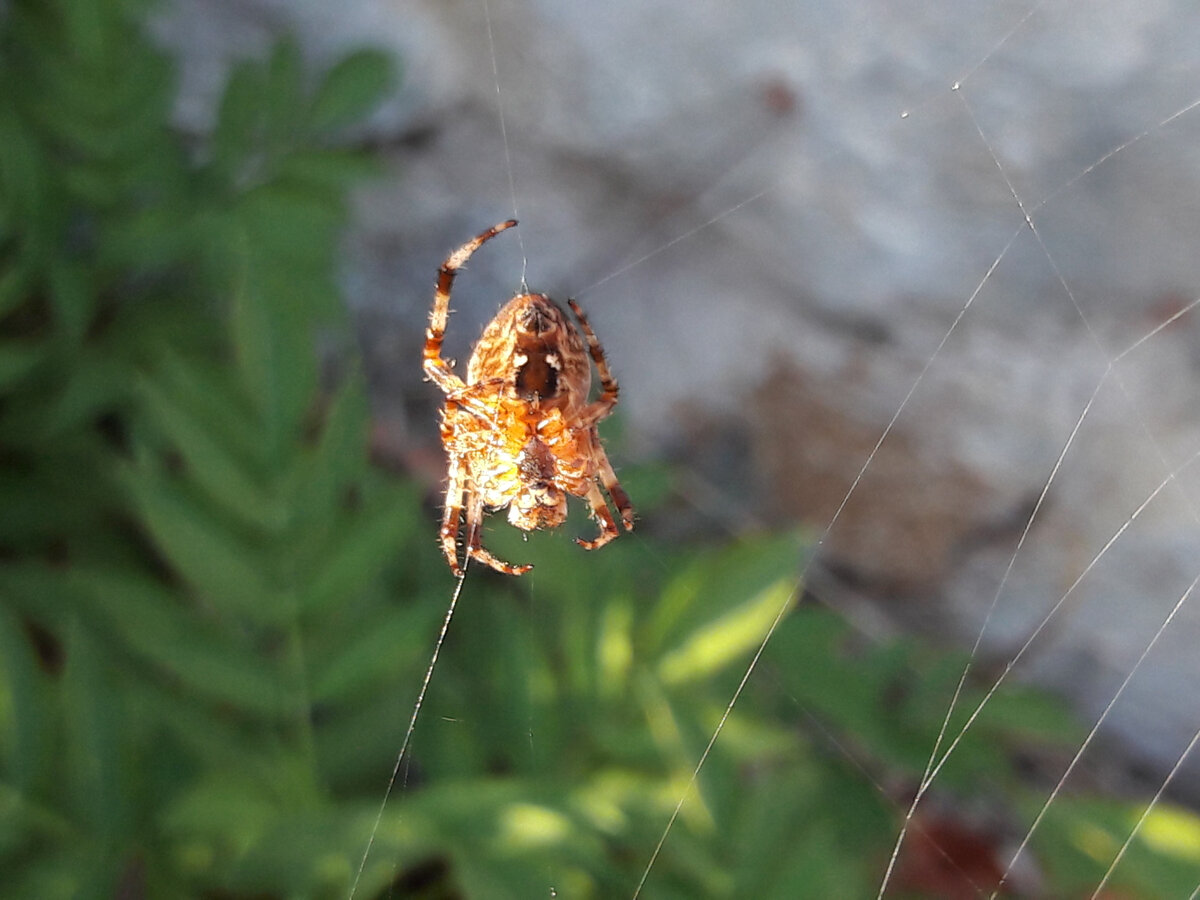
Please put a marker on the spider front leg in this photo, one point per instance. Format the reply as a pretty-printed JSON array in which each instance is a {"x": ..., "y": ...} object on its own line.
[
  {"x": 452, "y": 513},
  {"x": 436, "y": 368},
  {"x": 607, "y": 401}
]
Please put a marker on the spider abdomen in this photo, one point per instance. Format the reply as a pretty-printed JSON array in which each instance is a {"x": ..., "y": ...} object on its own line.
[{"x": 533, "y": 346}]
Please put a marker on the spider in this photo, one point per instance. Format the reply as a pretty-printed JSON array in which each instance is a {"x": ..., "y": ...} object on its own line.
[{"x": 520, "y": 431}]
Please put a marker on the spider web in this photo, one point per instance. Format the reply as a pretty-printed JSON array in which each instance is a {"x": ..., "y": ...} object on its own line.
[{"x": 1069, "y": 243}]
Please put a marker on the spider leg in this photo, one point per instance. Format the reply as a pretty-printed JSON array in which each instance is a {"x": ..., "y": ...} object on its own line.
[
  {"x": 475, "y": 541},
  {"x": 604, "y": 404},
  {"x": 608, "y": 528},
  {"x": 451, "y": 514},
  {"x": 611, "y": 484},
  {"x": 480, "y": 399},
  {"x": 436, "y": 368}
]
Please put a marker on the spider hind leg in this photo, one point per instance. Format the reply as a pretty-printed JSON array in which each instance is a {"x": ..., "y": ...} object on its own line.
[
  {"x": 475, "y": 548},
  {"x": 620, "y": 499},
  {"x": 608, "y": 528},
  {"x": 609, "y": 389}
]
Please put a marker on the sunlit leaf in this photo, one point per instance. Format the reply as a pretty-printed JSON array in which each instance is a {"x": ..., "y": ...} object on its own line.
[
  {"x": 715, "y": 644},
  {"x": 1173, "y": 830}
]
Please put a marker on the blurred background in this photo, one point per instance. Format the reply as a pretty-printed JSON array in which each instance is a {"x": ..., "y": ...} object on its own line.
[{"x": 900, "y": 297}]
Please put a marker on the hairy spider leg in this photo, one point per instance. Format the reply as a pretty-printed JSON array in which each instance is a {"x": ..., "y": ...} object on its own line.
[
  {"x": 452, "y": 512},
  {"x": 460, "y": 482},
  {"x": 475, "y": 547},
  {"x": 439, "y": 371},
  {"x": 608, "y": 528},
  {"x": 475, "y": 532},
  {"x": 611, "y": 484},
  {"x": 610, "y": 390},
  {"x": 483, "y": 402},
  {"x": 594, "y": 413},
  {"x": 436, "y": 368},
  {"x": 473, "y": 399}
]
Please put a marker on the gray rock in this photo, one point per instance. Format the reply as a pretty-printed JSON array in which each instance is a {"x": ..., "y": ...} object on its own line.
[{"x": 774, "y": 214}]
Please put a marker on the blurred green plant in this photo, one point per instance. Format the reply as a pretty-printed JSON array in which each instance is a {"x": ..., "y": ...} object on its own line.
[{"x": 216, "y": 615}]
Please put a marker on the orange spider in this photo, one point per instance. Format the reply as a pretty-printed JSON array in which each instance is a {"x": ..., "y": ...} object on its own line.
[{"x": 521, "y": 432}]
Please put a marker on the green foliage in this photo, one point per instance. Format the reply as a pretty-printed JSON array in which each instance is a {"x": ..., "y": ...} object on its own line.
[
  {"x": 183, "y": 513},
  {"x": 216, "y": 616}
]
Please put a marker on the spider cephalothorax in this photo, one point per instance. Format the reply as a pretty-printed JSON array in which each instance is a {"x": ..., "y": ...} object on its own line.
[{"x": 521, "y": 432}]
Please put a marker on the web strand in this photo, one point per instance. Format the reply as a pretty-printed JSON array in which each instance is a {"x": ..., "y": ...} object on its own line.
[
  {"x": 508, "y": 164},
  {"x": 1008, "y": 35},
  {"x": 1087, "y": 741},
  {"x": 662, "y": 248},
  {"x": 1154, "y": 443},
  {"x": 790, "y": 600},
  {"x": 454, "y": 597},
  {"x": 932, "y": 766},
  {"x": 1170, "y": 479},
  {"x": 1133, "y": 832},
  {"x": 1120, "y": 148},
  {"x": 937, "y": 758},
  {"x": 412, "y": 723},
  {"x": 936, "y": 763}
]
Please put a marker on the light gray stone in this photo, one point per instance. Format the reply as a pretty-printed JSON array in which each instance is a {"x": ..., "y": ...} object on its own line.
[{"x": 774, "y": 214}]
